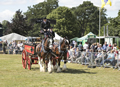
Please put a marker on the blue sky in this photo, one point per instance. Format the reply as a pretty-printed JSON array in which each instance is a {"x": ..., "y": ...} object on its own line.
[{"x": 8, "y": 7}]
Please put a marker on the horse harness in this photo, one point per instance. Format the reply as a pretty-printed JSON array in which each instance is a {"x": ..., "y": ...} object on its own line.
[{"x": 60, "y": 51}]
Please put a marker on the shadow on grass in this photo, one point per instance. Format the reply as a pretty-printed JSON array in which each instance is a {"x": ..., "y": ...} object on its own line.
[
  {"x": 35, "y": 68},
  {"x": 70, "y": 70},
  {"x": 77, "y": 71}
]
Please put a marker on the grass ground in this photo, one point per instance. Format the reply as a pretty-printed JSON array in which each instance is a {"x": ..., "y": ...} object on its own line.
[{"x": 12, "y": 74}]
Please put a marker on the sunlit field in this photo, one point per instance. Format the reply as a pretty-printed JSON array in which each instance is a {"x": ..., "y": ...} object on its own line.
[{"x": 12, "y": 74}]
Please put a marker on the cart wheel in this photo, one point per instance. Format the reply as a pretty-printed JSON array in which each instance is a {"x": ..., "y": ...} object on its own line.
[
  {"x": 29, "y": 63},
  {"x": 24, "y": 59}
]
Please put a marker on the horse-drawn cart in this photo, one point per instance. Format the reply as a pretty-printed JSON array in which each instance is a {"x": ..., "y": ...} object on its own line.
[
  {"x": 29, "y": 55},
  {"x": 47, "y": 53}
]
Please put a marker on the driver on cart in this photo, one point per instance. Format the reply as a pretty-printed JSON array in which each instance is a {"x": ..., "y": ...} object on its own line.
[
  {"x": 45, "y": 25},
  {"x": 47, "y": 30}
]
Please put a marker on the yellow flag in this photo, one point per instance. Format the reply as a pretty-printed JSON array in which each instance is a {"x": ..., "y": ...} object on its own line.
[{"x": 106, "y": 2}]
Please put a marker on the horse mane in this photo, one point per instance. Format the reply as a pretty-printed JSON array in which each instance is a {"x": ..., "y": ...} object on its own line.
[
  {"x": 45, "y": 39},
  {"x": 61, "y": 41}
]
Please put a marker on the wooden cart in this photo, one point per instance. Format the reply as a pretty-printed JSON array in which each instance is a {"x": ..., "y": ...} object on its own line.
[{"x": 29, "y": 55}]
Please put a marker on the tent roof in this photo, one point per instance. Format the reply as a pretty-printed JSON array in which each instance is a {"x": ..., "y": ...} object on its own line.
[
  {"x": 12, "y": 36},
  {"x": 85, "y": 37},
  {"x": 75, "y": 39},
  {"x": 101, "y": 37},
  {"x": 90, "y": 33},
  {"x": 57, "y": 37}
]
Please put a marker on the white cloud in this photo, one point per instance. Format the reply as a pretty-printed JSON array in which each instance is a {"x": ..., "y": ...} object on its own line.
[
  {"x": 12, "y": 2},
  {"x": 70, "y": 3},
  {"x": 6, "y": 15},
  {"x": 37, "y": 1},
  {"x": 74, "y": 3}
]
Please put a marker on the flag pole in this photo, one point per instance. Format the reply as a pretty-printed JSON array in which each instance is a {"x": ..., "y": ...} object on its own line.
[{"x": 99, "y": 22}]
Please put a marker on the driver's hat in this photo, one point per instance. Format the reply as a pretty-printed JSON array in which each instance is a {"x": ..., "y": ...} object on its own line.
[
  {"x": 51, "y": 27},
  {"x": 44, "y": 18}
]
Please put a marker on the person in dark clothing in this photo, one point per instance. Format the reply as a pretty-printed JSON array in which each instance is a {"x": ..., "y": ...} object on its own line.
[
  {"x": 4, "y": 46},
  {"x": 80, "y": 46},
  {"x": 45, "y": 26}
]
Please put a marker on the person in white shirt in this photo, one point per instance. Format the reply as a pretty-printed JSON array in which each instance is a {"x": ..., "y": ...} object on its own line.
[
  {"x": 75, "y": 44},
  {"x": 18, "y": 44},
  {"x": 85, "y": 46},
  {"x": 21, "y": 46}
]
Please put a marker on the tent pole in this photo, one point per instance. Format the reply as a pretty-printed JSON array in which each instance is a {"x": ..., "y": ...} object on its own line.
[{"x": 99, "y": 23}]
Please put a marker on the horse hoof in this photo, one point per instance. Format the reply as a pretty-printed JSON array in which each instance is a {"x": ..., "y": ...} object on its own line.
[
  {"x": 46, "y": 70},
  {"x": 63, "y": 70},
  {"x": 50, "y": 72},
  {"x": 58, "y": 71},
  {"x": 64, "y": 67}
]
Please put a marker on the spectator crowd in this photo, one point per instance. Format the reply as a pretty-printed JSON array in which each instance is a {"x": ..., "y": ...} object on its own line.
[
  {"x": 95, "y": 53},
  {"x": 12, "y": 47}
]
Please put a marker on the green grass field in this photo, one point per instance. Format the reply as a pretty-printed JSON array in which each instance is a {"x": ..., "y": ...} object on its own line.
[{"x": 12, "y": 74}]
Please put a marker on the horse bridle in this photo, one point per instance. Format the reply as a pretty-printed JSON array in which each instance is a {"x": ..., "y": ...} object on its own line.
[{"x": 59, "y": 47}]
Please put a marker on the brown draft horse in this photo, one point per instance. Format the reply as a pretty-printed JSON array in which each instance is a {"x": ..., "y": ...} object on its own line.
[
  {"x": 43, "y": 52},
  {"x": 60, "y": 51}
]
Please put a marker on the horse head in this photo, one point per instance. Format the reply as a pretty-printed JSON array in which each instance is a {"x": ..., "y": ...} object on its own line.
[{"x": 64, "y": 43}]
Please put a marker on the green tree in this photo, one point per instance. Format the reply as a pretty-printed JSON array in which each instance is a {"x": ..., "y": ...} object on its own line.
[
  {"x": 19, "y": 24},
  {"x": 39, "y": 10},
  {"x": 114, "y": 25},
  {"x": 5, "y": 28},
  {"x": 65, "y": 21},
  {"x": 88, "y": 18}
]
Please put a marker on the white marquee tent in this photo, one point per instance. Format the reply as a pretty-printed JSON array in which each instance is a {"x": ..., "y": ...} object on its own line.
[
  {"x": 13, "y": 36},
  {"x": 57, "y": 37}
]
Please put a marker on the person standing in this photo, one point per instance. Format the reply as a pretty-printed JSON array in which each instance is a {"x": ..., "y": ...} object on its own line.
[
  {"x": 4, "y": 46},
  {"x": 85, "y": 46},
  {"x": 80, "y": 46}
]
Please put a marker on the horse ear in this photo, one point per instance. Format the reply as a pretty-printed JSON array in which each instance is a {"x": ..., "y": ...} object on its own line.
[
  {"x": 69, "y": 41},
  {"x": 66, "y": 37}
]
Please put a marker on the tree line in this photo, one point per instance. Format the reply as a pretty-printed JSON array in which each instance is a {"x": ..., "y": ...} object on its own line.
[{"x": 72, "y": 22}]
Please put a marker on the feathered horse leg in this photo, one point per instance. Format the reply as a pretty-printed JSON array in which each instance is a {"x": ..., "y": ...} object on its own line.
[
  {"x": 50, "y": 65},
  {"x": 65, "y": 61}
]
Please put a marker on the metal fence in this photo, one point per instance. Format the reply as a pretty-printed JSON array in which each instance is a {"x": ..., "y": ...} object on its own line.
[{"x": 98, "y": 59}]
